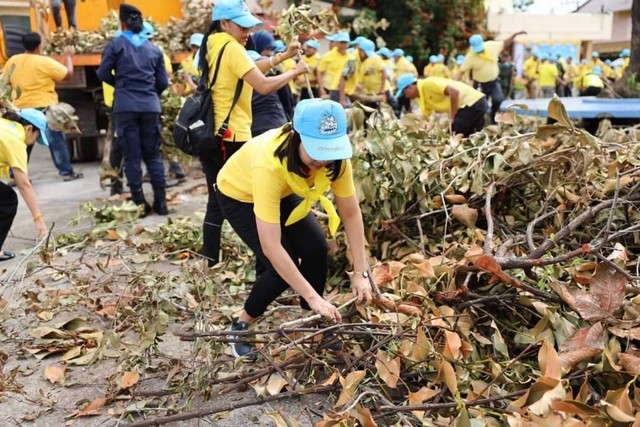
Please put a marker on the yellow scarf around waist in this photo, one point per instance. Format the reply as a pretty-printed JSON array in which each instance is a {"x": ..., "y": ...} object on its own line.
[{"x": 310, "y": 195}]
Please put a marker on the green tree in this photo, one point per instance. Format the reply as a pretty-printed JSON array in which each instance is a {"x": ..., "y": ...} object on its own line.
[{"x": 424, "y": 27}]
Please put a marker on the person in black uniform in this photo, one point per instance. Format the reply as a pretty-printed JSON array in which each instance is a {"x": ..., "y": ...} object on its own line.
[{"x": 139, "y": 77}]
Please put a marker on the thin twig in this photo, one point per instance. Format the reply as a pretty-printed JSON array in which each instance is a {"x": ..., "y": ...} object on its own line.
[{"x": 487, "y": 213}]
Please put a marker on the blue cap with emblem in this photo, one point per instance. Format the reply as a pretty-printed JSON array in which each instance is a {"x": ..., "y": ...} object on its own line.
[
  {"x": 236, "y": 11},
  {"x": 322, "y": 125},
  {"x": 38, "y": 120}
]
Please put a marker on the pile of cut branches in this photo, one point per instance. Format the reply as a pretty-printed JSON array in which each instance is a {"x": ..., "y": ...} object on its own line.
[{"x": 508, "y": 272}]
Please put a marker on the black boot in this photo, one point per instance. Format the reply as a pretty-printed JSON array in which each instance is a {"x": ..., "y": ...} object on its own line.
[
  {"x": 160, "y": 201},
  {"x": 137, "y": 196}
]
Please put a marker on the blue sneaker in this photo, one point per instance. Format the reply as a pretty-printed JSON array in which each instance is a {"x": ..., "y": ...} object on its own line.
[{"x": 242, "y": 348}]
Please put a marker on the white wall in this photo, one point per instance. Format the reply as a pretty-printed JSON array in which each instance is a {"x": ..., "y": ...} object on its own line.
[{"x": 575, "y": 26}]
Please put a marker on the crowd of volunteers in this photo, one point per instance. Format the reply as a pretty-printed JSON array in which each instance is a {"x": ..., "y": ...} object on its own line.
[{"x": 280, "y": 115}]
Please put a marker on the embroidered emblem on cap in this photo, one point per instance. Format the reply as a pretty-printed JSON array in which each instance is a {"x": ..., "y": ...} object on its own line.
[{"x": 328, "y": 124}]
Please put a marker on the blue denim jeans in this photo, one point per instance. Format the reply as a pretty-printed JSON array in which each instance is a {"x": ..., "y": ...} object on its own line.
[
  {"x": 59, "y": 152},
  {"x": 70, "y": 6}
]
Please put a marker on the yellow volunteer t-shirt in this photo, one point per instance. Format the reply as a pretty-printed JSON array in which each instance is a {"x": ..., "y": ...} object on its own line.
[
  {"x": 440, "y": 70},
  {"x": 372, "y": 75},
  {"x": 402, "y": 67},
  {"x": 590, "y": 80},
  {"x": 548, "y": 73},
  {"x": 13, "y": 149},
  {"x": 426, "y": 71},
  {"x": 312, "y": 62},
  {"x": 483, "y": 66},
  {"x": 432, "y": 97},
  {"x": 530, "y": 68},
  {"x": 189, "y": 67},
  {"x": 351, "y": 72},
  {"x": 36, "y": 76},
  {"x": 234, "y": 65},
  {"x": 250, "y": 176},
  {"x": 290, "y": 64},
  {"x": 332, "y": 65}
]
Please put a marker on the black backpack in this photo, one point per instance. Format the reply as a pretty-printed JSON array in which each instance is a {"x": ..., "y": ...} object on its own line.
[{"x": 194, "y": 128}]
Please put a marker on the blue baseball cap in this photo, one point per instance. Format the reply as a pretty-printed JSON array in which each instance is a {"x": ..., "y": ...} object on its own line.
[
  {"x": 440, "y": 57},
  {"x": 254, "y": 55},
  {"x": 367, "y": 46},
  {"x": 196, "y": 39},
  {"x": 236, "y": 11},
  {"x": 384, "y": 52},
  {"x": 38, "y": 120},
  {"x": 476, "y": 42},
  {"x": 398, "y": 52},
  {"x": 322, "y": 125},
  {"x": 148, "y": 30},
  {"x": 357, "y": 41},
  {"x": 625, "y": 53},
  {"x": 280, "y": 46},
  {"x": 433, "y": 59},
  {"x": 404, "y": 82},
  {"x": 409, "y": 58},
  {"x": 597, "y": 71},
  {"x": 459, "y": 59},
  {"x": 595, "y": 55},
  {"x": 315, "y": 44},
  {"x": 341, "y": 37}
]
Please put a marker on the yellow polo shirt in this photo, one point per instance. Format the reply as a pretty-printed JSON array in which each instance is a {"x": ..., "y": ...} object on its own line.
[
  {"x": 250, "y": 176},
  {"x": 403, "y": 67},
  {"x": 548, "y": 73},
  {"x": 234, "y": 65},
  {"x": 483, "y": 66},
  {"x": 312, "y": 62},
  {"x": 432, "y": 97},
  {"x": 13, "y": 148},
  {"x": 36, "y": 76},
  {"x": 589, "y": 80},
  {"x": 332, "y": 64},
  {"x": 530, "y": 68},
  {"x": 427, "y": 70},
  {"x": 352, "y": 73},
  {"x": 440, "y": 70},
  {"x": 371, "y": 75}
]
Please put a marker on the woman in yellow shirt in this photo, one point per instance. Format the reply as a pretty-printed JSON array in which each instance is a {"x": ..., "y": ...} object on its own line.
[
  {"x": 17, "y": 132},
  {"x": 230, "y": 29},
  {"x": 465, "y": 105},
  {"x": 266, "y": 192}
]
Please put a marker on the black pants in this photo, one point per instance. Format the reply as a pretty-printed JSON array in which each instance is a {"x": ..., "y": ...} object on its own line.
[
  {"x": 591, "y": 91},
  {"x": 212, "y": 161},
  {"x": 304, "y": 241},
  {"x": 470, "y": 119},
  {"x": 304, "y": 93},
  {"x": 8, "y": 209},
  {"x": 139, "y": 139},
  {"x": 493, "y": 91}
]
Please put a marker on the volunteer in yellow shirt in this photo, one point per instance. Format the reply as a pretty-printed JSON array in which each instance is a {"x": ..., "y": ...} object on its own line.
[
  {"x": 465, "y": 105},
  {"x": 331, "y": 66},
  {"x": 402, "y": 66},
  {"x": 428, "y": 69},
  {"x": 549, "y": 77},
  {"x": 231, "y": 27},
  {"x": 570, "y": 74},
  {"x": 17, "y": 132},
  {"x": 191, "y": 73},
  {"x": 267, "y": 192},
  {"x": 591, "y": 84},
  {"x": 530, "y": 70},
  {"x": 312, "y": 59},
  {"x": 626, "y": 58},
  {"x": 439, "y": 68},
  {"x": 481, "y": 62},
  {"x": 595, "y": 62},
  {"x": 412, "y": 67},
  {"x": 36, "y": 76},
  {"x": 370, "y": 74}
]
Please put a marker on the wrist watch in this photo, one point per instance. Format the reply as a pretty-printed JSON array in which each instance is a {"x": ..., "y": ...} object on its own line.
[{"x": 364, "y": 274}]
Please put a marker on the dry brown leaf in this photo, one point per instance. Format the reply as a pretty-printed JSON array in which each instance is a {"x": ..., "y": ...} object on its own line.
[
  {"x": 420, "y": 350},
  {"x": 455, "y": 198},
  {"x": 349, "y": 386},
  {"x": 363, "y": 415},
  {"x": 425, "y": 269},
  {"x": 633, "y": 333},
  {"x": 388, "y": 369},
  {"x": 507, "y": 117},
  {"x": 129, "y": 379},
  {"x": 574, "y": 407},
  {"x": 466, "y": 215},
  {"x": 584, "y": 344},
  {"x": 113, "y": 235},
  {"x": 630, "y": 363},
  {"x": 93, "y": 407},
  {"x": 382, "y": 274},
  {"x": 275, "y": 384},
  {"x": 395, "y": 267},
  {"x": 55, "y": 374},
  {"x": 421, "y": 396},
  {"x": 452, "y": 345},
  {"x": 409, "y": 309},
  {"x": 549, "y": 361},
  {"x": 448, "y": 374},
  {"x": 607, "y": 286},
  {"x": 582, "y": 302}
]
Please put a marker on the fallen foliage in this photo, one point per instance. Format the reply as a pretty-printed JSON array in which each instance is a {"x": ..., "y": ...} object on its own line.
[{"x": 508, "y": 271}]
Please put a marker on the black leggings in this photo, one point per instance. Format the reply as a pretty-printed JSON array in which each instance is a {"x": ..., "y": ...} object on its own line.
[
  {"x": 8, "y": 209},
  {"x": 304, "y": 241},
  {"x": 212, "y": 161},
  {"x": 470, "y": 119}
]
